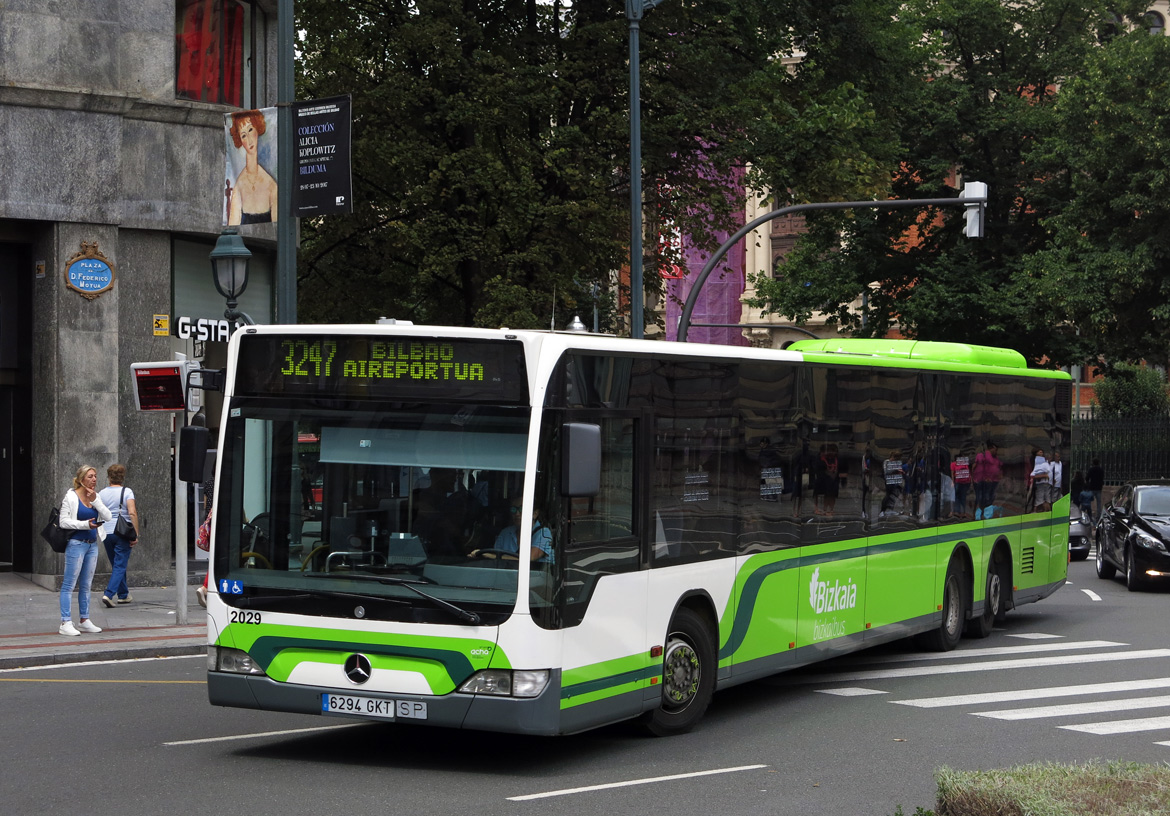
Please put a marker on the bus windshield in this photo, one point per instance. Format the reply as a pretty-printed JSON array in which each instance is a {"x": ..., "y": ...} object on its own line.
[{"x": 386, "y": 511}]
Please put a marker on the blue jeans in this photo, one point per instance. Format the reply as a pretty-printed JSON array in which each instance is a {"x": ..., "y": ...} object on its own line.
[
  {"x": 80, "y": 564},
  {"x": 118, "y": 551}
]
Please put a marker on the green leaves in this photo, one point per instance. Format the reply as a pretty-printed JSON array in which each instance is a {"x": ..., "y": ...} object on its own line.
[{"x": 1071, "y": 136}]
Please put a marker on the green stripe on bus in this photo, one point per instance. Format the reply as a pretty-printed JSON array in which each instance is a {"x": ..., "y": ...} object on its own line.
[
  {"x": 751, "y": 585},
  {"x": 264, "y": 645},
  {"x": 596, "y": 677},
  {"x": 609, "y": 681}
]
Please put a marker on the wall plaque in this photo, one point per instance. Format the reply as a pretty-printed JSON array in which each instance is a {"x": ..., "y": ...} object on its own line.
[{"x": 89, "y": 272}]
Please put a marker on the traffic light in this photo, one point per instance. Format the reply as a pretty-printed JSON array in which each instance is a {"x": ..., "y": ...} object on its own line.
[{"x": 974, "y": 210}]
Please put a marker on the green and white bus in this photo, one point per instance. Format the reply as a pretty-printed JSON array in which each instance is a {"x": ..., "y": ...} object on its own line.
[{"x": 542, "y": 532}]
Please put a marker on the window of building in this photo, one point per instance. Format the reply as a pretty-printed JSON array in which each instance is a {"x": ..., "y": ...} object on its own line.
[
  {"x": 1110, "y": 28},
  {"x": 1155, "y": 22},
  {"x": 219, "y": 51}
]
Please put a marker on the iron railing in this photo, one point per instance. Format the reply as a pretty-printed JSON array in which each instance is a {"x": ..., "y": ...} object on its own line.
[{"x": 1130, "y": 448}]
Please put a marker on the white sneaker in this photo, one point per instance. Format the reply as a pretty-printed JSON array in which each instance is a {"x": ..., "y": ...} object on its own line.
[
  {"x": 67, "y": 628},
  {"x": 88, "y": 626}
]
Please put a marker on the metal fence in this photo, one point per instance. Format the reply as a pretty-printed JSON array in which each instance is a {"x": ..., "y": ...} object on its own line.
[{"x": 1135, "y": 448}]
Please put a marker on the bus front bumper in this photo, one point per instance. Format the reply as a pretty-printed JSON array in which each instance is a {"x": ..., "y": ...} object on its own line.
[{"x": 538, "y": 715}]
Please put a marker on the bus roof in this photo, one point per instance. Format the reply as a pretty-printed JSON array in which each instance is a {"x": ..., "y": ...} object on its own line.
[
  {"x": 916, "y": 351},
  {"x": 926, "y": 354}
]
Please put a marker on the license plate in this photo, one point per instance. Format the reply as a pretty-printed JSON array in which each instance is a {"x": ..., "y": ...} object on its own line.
[{"x": 373, "y": 707}]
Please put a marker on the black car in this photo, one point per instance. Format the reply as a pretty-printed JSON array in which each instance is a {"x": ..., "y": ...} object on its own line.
[{"x": 1133, "y": 534}]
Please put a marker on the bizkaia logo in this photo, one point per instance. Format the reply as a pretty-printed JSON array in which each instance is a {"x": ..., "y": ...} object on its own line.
[{"x": 826, "y": 597}]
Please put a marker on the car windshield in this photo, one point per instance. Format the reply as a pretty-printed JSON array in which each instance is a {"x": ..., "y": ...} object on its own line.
[
  {"x": 382, "y": 505},
  {"x": 1153, "y": 501}
]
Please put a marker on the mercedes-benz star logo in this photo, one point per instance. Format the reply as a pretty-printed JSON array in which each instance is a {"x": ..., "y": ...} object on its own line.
[{"x": 358, "y": 668}]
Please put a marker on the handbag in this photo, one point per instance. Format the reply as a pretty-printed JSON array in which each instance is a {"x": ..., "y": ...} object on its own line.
[
  {"x": 124, "y": 528},
  {"x": 53, "y": 533},
  {"x": 203, "y": 539}
]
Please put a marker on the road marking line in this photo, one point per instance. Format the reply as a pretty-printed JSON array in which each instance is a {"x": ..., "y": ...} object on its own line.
[
  {"x": 202, "y": 656},
  {"x": 262, "y": 734},
  {"x": 1034, "y": 636},
  {"x": 851, "y": 692},
  {"x": 1034, "y": 693},
  {"x": 991, "y": 665},
  {"x": 631, "y": 783},
  {"x": 992, "y": 651},
  {"x": 1122, "y": 726},
  {"x": 1071, "y": 709},
  {"x": 1092, "y": 595},
  {"x": 1162, "y": 743}
]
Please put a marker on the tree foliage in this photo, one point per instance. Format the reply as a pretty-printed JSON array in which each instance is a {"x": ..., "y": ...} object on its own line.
[
  {"x": 1107, "y": 270},
  {"x": 491, "y": 141},
  {"x": 1131, "y": 391},
  {"x": 987, "y": 107}
]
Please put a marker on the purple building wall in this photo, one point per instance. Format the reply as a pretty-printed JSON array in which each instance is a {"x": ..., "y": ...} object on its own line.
[{"x": 719, "y": 300}]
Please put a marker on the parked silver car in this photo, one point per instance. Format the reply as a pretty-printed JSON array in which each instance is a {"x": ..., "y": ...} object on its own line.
[{"x": 1080, "y": 533}]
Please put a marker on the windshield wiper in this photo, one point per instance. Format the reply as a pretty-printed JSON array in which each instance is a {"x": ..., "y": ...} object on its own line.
[
  {"x": 461, "y": 614},
  {"x": 264, "y": 600}
]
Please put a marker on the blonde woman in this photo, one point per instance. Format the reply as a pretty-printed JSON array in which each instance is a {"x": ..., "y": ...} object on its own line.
[{"x": 82, "y": 511}]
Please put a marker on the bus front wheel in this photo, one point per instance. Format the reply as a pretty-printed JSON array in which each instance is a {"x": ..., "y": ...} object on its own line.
[{"x": 688, "y": 676}]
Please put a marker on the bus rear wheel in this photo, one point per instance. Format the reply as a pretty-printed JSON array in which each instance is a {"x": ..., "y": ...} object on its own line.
[
  {"x": 688, "y": 676},
  {"x": 954, "y": 613},
  {"x": 993, "y": 601}
]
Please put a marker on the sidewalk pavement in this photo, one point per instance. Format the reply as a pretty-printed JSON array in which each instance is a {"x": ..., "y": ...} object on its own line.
[{"x": 146, "y": 627}]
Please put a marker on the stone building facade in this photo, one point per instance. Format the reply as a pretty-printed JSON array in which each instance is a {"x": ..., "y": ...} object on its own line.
[{"x": 112, "y": 141}]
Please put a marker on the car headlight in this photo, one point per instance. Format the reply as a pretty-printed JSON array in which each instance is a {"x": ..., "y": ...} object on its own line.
[
  {"x": 1150, "y": 542},
  {"x": 233, "y": 661},
  {"x": 507, "y": 683}
]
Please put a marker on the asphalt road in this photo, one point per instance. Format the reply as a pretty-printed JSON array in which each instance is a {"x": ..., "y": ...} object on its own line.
[{"x": 1082, "y": 675}]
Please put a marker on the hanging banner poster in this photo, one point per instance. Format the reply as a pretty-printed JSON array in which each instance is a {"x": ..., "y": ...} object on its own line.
[
  {"x": 250, "y": 174},
  {"x": 323, "y": 183}
]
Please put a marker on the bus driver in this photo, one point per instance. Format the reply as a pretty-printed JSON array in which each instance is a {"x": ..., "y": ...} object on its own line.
[{"x": 508, "y": 541}]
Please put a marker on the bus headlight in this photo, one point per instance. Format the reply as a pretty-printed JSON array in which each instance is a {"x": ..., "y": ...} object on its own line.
[
  {"x": 505, "y": 683},
  {"x": 234, "y": 661}
]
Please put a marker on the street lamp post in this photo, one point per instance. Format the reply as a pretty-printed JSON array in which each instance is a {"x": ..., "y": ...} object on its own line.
[
  {"x": 634, "y": 11},
  {"x": 973, "y": 198},
  {"x": 286, "y": 225},
  {"x": 229, "y": 267}
]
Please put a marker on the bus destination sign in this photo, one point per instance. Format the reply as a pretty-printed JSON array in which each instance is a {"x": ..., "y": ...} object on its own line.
[{"x": 364, "y": 367}]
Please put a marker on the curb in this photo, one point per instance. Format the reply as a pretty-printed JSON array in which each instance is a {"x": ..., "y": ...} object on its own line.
[
  {"x": 40, "y": 659},
  {"x": 51, "y": 649}
]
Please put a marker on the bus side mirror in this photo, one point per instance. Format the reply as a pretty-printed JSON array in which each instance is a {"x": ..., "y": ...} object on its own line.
[
  {"x": 580, "y": 459},
  {"x": 194, "y": 442}
]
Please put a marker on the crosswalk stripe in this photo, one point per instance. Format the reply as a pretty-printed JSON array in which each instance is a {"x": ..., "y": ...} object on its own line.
[
  {"x": 1035, "y": 693},
  {"x": 1034, "y": 636},
  {"x": 990, "y": 665},
  {"x": 1070, "y": 709},
  {"x": 990, "y": 651},
  {"x": 1121, "y": 726}
]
